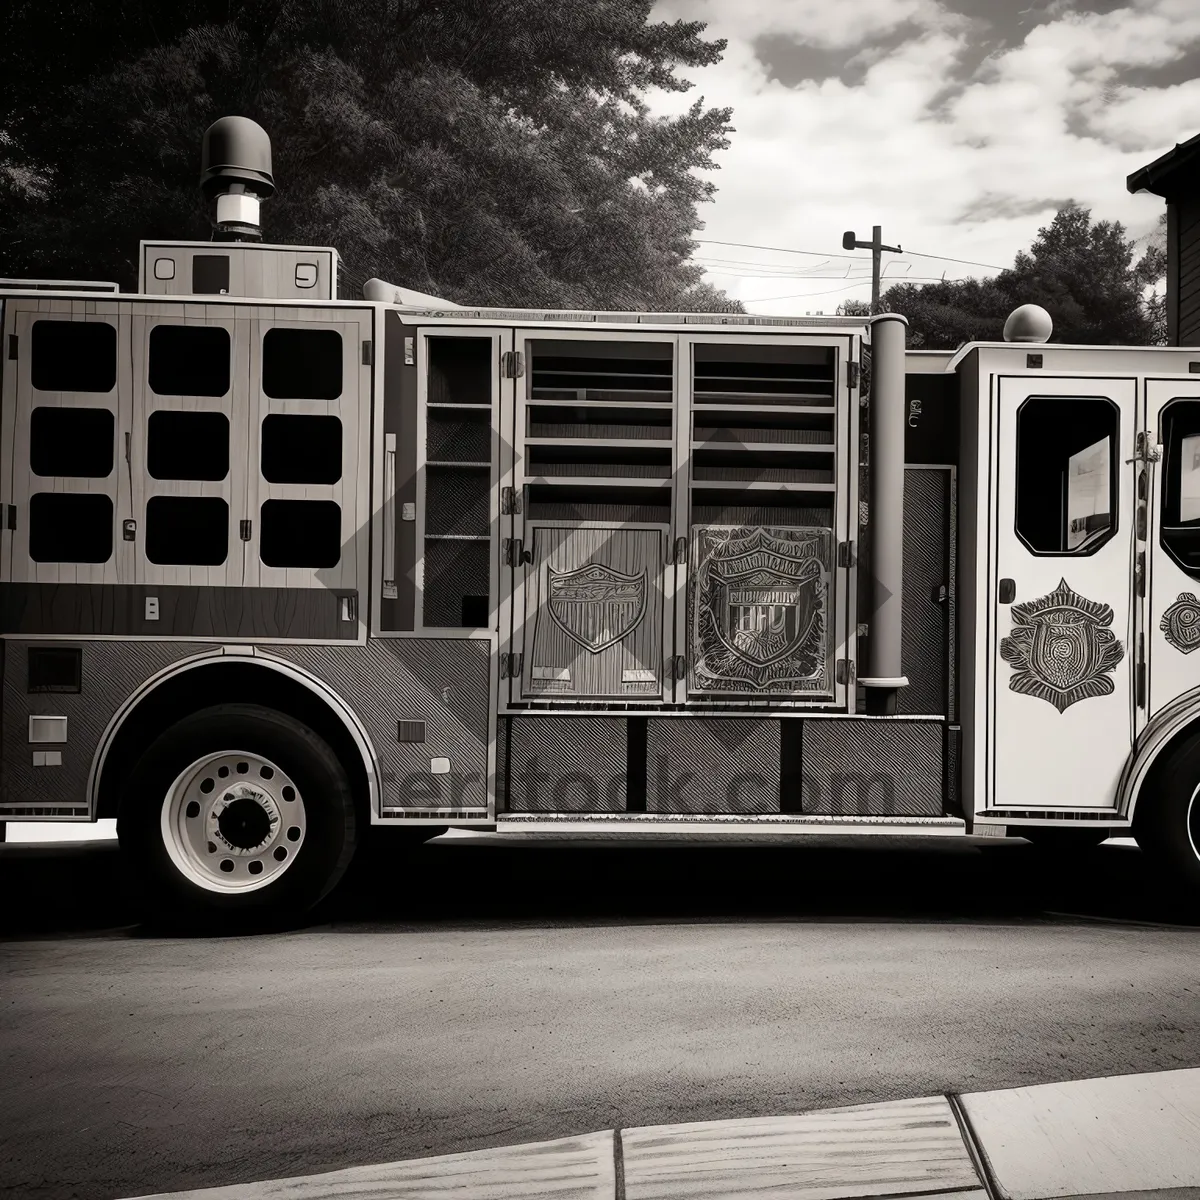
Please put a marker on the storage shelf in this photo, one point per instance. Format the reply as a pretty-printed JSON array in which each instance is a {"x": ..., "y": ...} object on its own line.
[
  {"x": 458, "y": 537},
  {"x": 596, "y": 443},
  {"x": 707, "y": 397},
  {"x": 599, "y": 481},
  {"x": 766, "y": 447},
  {"x": 706, "y": 378},
  {"x": 558, "y": 402},
  {"x": 742, "y": 411},
  {"x": 743, "y": 485},
  {"x": 452, "y": 404},
  {"x": 450, "y": 462}
]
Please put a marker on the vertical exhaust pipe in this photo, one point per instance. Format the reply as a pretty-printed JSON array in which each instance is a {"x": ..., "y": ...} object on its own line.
[{"x": 884, "y": 676}]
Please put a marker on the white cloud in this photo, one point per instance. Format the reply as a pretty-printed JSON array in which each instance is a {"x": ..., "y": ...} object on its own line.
[{"x": 1043, "y": 121}]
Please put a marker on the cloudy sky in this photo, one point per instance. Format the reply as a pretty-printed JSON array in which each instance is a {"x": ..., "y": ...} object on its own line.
[{"x": 959, "y": 126}]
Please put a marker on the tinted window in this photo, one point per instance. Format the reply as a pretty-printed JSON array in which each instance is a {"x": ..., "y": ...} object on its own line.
[
  {"x": 75, "y": 442},
  {"x": 74, "y": 356},
  {"x": 188, "y": 445},
  {"x": 210, "y": 274},
  {"x": 189, "y": 360},
  {"x": 300, "y": 533},
  {"x": 187, "y": 530},
  {"x": 301, "y": 449},
  {"x": 70, "y": 528},
  {"x": 302, "y": 364},
  {"x": 1180, "y": 535},
  {"x": 1066, "y": 473}
]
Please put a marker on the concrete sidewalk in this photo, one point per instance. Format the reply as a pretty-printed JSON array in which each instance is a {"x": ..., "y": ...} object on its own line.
[{"x": 1129, "y": 1135}]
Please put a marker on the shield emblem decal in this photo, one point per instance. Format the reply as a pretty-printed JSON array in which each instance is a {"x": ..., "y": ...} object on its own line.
[
  {"x": 1061, "y": 648},
  {"x": 595, "y": 606},
  {"x": 759, "y": 609}
]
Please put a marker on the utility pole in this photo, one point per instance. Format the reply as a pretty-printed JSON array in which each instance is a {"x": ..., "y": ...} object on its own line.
[{"x": 876, "y": 246}]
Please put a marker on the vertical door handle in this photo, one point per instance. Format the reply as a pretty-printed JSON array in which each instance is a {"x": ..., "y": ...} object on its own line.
[{"x": 1007, "y": 591}]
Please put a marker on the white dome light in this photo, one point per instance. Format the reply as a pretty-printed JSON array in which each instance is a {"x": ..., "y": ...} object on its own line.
[{"x": 1029, "y": 323}]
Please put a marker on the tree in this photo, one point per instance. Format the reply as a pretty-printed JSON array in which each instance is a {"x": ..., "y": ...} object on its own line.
[
  {"x": 1082, "y": 273},
  {"x": 489, "y": 151}
]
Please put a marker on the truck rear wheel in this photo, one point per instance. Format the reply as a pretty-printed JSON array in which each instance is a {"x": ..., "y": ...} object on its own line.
[
  {"x": 1167, "y": 821},
  {"x": 236, "y": 816}
]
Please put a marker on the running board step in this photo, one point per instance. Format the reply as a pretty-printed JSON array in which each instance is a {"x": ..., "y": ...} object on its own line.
[{"x": 672, "y": 823}]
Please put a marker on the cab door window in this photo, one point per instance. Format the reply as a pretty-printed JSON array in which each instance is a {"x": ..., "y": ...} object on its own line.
[{"x": 1180, "y": 520}]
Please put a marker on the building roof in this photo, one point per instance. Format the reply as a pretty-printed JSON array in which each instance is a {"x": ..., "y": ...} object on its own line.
[{"x": 1168, "y": 175}]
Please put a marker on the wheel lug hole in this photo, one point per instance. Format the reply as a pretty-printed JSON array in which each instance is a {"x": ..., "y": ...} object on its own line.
[
  {"x": 223, "y": 772},
  {"x": 227, "y": 865},
  {"x": 255, "y": 868},
  {"x": 212, "y": 847},
  {"x": 207, "y": 786},
  {"x": 280, "y": 853},
  {"x": 266, "y": 772},
  {"x": 193, "y": 810},
  {"x": 289, "y": 793},
  {"x": 242, "y": 768},
  {"x": 293, "y": 833}
]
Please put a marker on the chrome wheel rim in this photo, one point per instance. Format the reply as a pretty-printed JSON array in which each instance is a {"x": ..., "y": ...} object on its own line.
[{"x": 233, "y": 822}]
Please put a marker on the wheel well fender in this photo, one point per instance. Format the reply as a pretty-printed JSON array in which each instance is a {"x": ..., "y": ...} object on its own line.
[
  {"x": 197, "y": 683},
  {"x": 1176, "y": 724}
]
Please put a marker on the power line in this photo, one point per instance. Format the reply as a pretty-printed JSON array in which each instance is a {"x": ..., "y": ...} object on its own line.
[{"x": 823, "y": 254}]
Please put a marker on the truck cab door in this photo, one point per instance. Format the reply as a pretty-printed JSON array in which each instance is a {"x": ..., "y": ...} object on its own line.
[{"x": 1061, "y": 603}]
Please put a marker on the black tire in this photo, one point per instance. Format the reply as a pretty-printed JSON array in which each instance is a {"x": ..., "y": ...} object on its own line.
[
  {"x": 1055, "y": 840},
  {"x": 175, "y": 889},
  {"x": 1167, "y": 819}
]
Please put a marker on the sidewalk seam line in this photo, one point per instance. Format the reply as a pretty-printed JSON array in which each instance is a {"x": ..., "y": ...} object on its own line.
[
  {"x": 618, "y": 1166},
  {"x": 974, "y": 1149}
]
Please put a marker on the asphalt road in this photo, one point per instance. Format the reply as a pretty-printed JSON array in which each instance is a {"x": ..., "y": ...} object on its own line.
[{"x": 480, "y": 995}]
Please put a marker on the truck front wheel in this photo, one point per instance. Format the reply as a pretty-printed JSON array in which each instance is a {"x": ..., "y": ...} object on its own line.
[
  {"x": 1167, "y": 819},
  {"x": 236, "y": 816}
]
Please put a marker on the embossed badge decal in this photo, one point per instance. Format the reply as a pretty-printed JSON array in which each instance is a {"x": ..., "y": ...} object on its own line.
[
  {"x": 595, "y": 605},
  {"x": 759, "y": 609},
  {"x": 1061, "y": 648},
  {"x": 1181, "y": 623}
]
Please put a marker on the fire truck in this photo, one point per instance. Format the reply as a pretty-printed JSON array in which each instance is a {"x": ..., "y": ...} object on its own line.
[{"x": 277, "y": 567}]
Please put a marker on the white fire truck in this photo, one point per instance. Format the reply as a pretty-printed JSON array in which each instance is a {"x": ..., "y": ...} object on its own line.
[{"x": 277, "y": 566}]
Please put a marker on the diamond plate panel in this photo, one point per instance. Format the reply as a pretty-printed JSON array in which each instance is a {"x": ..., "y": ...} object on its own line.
[
  {"x": 112, "y": 671},
  {"x": 443, "y": 682},
  {"x": 566, "y": 764},
  {"x": 710, "y": 765},
  {"x": 872, "y": 768}
]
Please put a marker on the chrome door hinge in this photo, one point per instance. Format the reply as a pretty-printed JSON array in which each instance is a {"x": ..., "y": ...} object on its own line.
[
  {"x": 1139, "y": 683},
  {"x": 244, "y": 530},
  {"x": 845, "y": 554},
  {"x": 844, "y": 672},
  {"x": 853, "y": 371},
  {"x": 510, "y": 501},
  {"x": 510, "y": 666},
  {"x": 680, "y": 551},
  {"x": 677, "y": 666},
  {"x": 513, "y": 552},
  {"x": 410, "y": 352},
  {"x": 368, "y": 353},
  {"x": 1139, "y": 573},
  {"x": 514, "y": 364}
]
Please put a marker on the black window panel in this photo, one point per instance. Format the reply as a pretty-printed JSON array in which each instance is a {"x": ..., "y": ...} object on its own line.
[
  {"x": 210, "y": 274},
  {"x": 69, "y": 527},
  {"x": 71, "y": 442},
  {"x": 1180, "y": 535},
  {"x": 191, "y": 531},
  {"x": 301, "y": 449},
  {"x": 302, "y": 364},
  {"x": 73, "y": 356},
  {"x": 54, "y": 669},
  {"x": 189, "y": 360},
  {"x": 187, "y": 445},
  {"x": 1051, "y": 430},
  {"x": 300, "y": 533}
]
